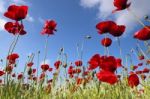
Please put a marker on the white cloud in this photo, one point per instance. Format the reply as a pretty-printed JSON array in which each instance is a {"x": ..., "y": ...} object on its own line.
[
  {"x": 47, "y": 61},
  {"x": 41, "y": 20},
  {"x": 18, "y": 1},
  {"x": 2, "y": 23},
  {"x": 2, "y": 7},
  {"x": 30, "y": 18},
  {"x": 105, "y": 7},
  {"x": 89, "y": 3}
]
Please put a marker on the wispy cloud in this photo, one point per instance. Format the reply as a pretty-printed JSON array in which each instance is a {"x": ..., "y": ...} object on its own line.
[
  {"x": 2, "y": 23},
  {"x": 47, "y": 61},
  {"x": 2, "y": 7},
  {"x": 19, "y": 1},
  {"x": 105, "y": 7},
  {"x": 41, "y": 20},
  {"x": 30, "y": 18}
]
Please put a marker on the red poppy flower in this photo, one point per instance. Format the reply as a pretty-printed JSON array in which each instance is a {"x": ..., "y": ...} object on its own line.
[
  {"x": 119, "y": 62},
  {"x": 33, "y": 71},
  {"x": 121, "y": 5},
  {"x": 2, "y": 73},
  {"x": 106, "y": 42},
  {"x": 42, "y": 76},
  {"x": 49, "y": 27},
  {"x": 85, "y": 73},
  {"x": 71, "y": 75},
  {"x": 30, "y": 64},
  {"x": 9, "y": 69},
  {"x": 135, "y": 67},
  {"x": 105, "y": 26},
  {"x": 143, "y": 34},
  {"x": 148, "y": 62},
  {"x": 57, "y": 64},
  {"x": 94, "y": 62},
  {"x": 15, "y": 28},
  {"x": 12, "y": 58},
  {"x": 13, "y": 75},
  {"x": 79, "y": 81},
  {"x": 108, "y": 63},
  {"x": 71, "y": 70},
  {"x": 146, "y": 70},
  {"x": 140, "y": 64},
  {"x": 44, "y": 67},
  {"x": 50, "y": 69},
  {"x": 78, "y": 63},
  {"x": 34, "y": 78},
  {"x": 117, "y": 30},
  {"x": 143, "y": 77},
  {"x": 50, "y": 81},
  {"x": 106, "y": 76},
  {"x": 78, "y": 70},
  {"x": 141, "y": 57},
  {"x": 139, "y": 72},
  {"x": 20, "y": 76},
  {"x": 133, "y": 80},
  {"x": 16, "y": 12}
]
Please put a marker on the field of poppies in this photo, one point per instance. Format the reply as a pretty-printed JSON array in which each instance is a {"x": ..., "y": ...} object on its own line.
[{"x": 104, "y": 77}]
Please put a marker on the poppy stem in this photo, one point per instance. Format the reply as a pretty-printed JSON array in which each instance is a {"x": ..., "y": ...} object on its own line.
[
  {"x": 107, "y": 49},
  {"x": 134, "y": 52},
  {"x": 11, "y": 45},
  {"x": 46, "y": 47},
  {"x": 38, "y": 57},
  {"x": 17, "y": 38},
  {"x": 82, "y": 49},
  {"x": 15, "y": 43},
  {"x": 138, "y": 45},
  {"x": 118, "y": 39},
  {"x": 78, "y": 50},
  {"x": 126, "y": 67}
]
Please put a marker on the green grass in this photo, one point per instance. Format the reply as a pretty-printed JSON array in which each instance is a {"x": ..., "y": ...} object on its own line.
[{"x": 91, "y": 90}]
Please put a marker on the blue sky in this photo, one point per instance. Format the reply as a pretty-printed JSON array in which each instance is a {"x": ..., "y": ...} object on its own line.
[{"x": 75, "y": 20}]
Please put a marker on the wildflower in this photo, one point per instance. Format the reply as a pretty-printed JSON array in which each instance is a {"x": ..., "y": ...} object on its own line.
[
  {"x": 106, "y": 42},
  {"x": 117, "y": 30},
  {"x": 143, "y": 34},
  {"x": 133, "y": 80},
  {"x": 94, "y": 62},
  {"x": 15, "y": 28},
  {"x": 20, "y": 76},
  {"x": 50, "y": 69},
  {"x": 49, "y": 27},
  {"x": 16, "y": 13},
  {"x": 13, "y": 75},
  {"x": 44, "y": 67},
  {"x": 2, "y": 73},
  {"x": 9, "y": 69},
  {"x": 30, "y": 64},
  {"x": 146, "y": 70},
  {"x": 57, "y": 64},
  {"x": 105, "y": 26},
  {"x": 108, "y": 63},
  {"x": 121, "y": 5},
  {"x": 106, "y": 76},
  {"x": 12, "y": 58},
  {"x": 78, "y": 63}
]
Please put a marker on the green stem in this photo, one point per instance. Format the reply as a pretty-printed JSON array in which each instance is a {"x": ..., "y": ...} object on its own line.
[{"x": 46, "y": 47}]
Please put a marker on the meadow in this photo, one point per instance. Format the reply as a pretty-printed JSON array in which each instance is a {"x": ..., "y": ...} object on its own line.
[{"x": 104, "y": 76}]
